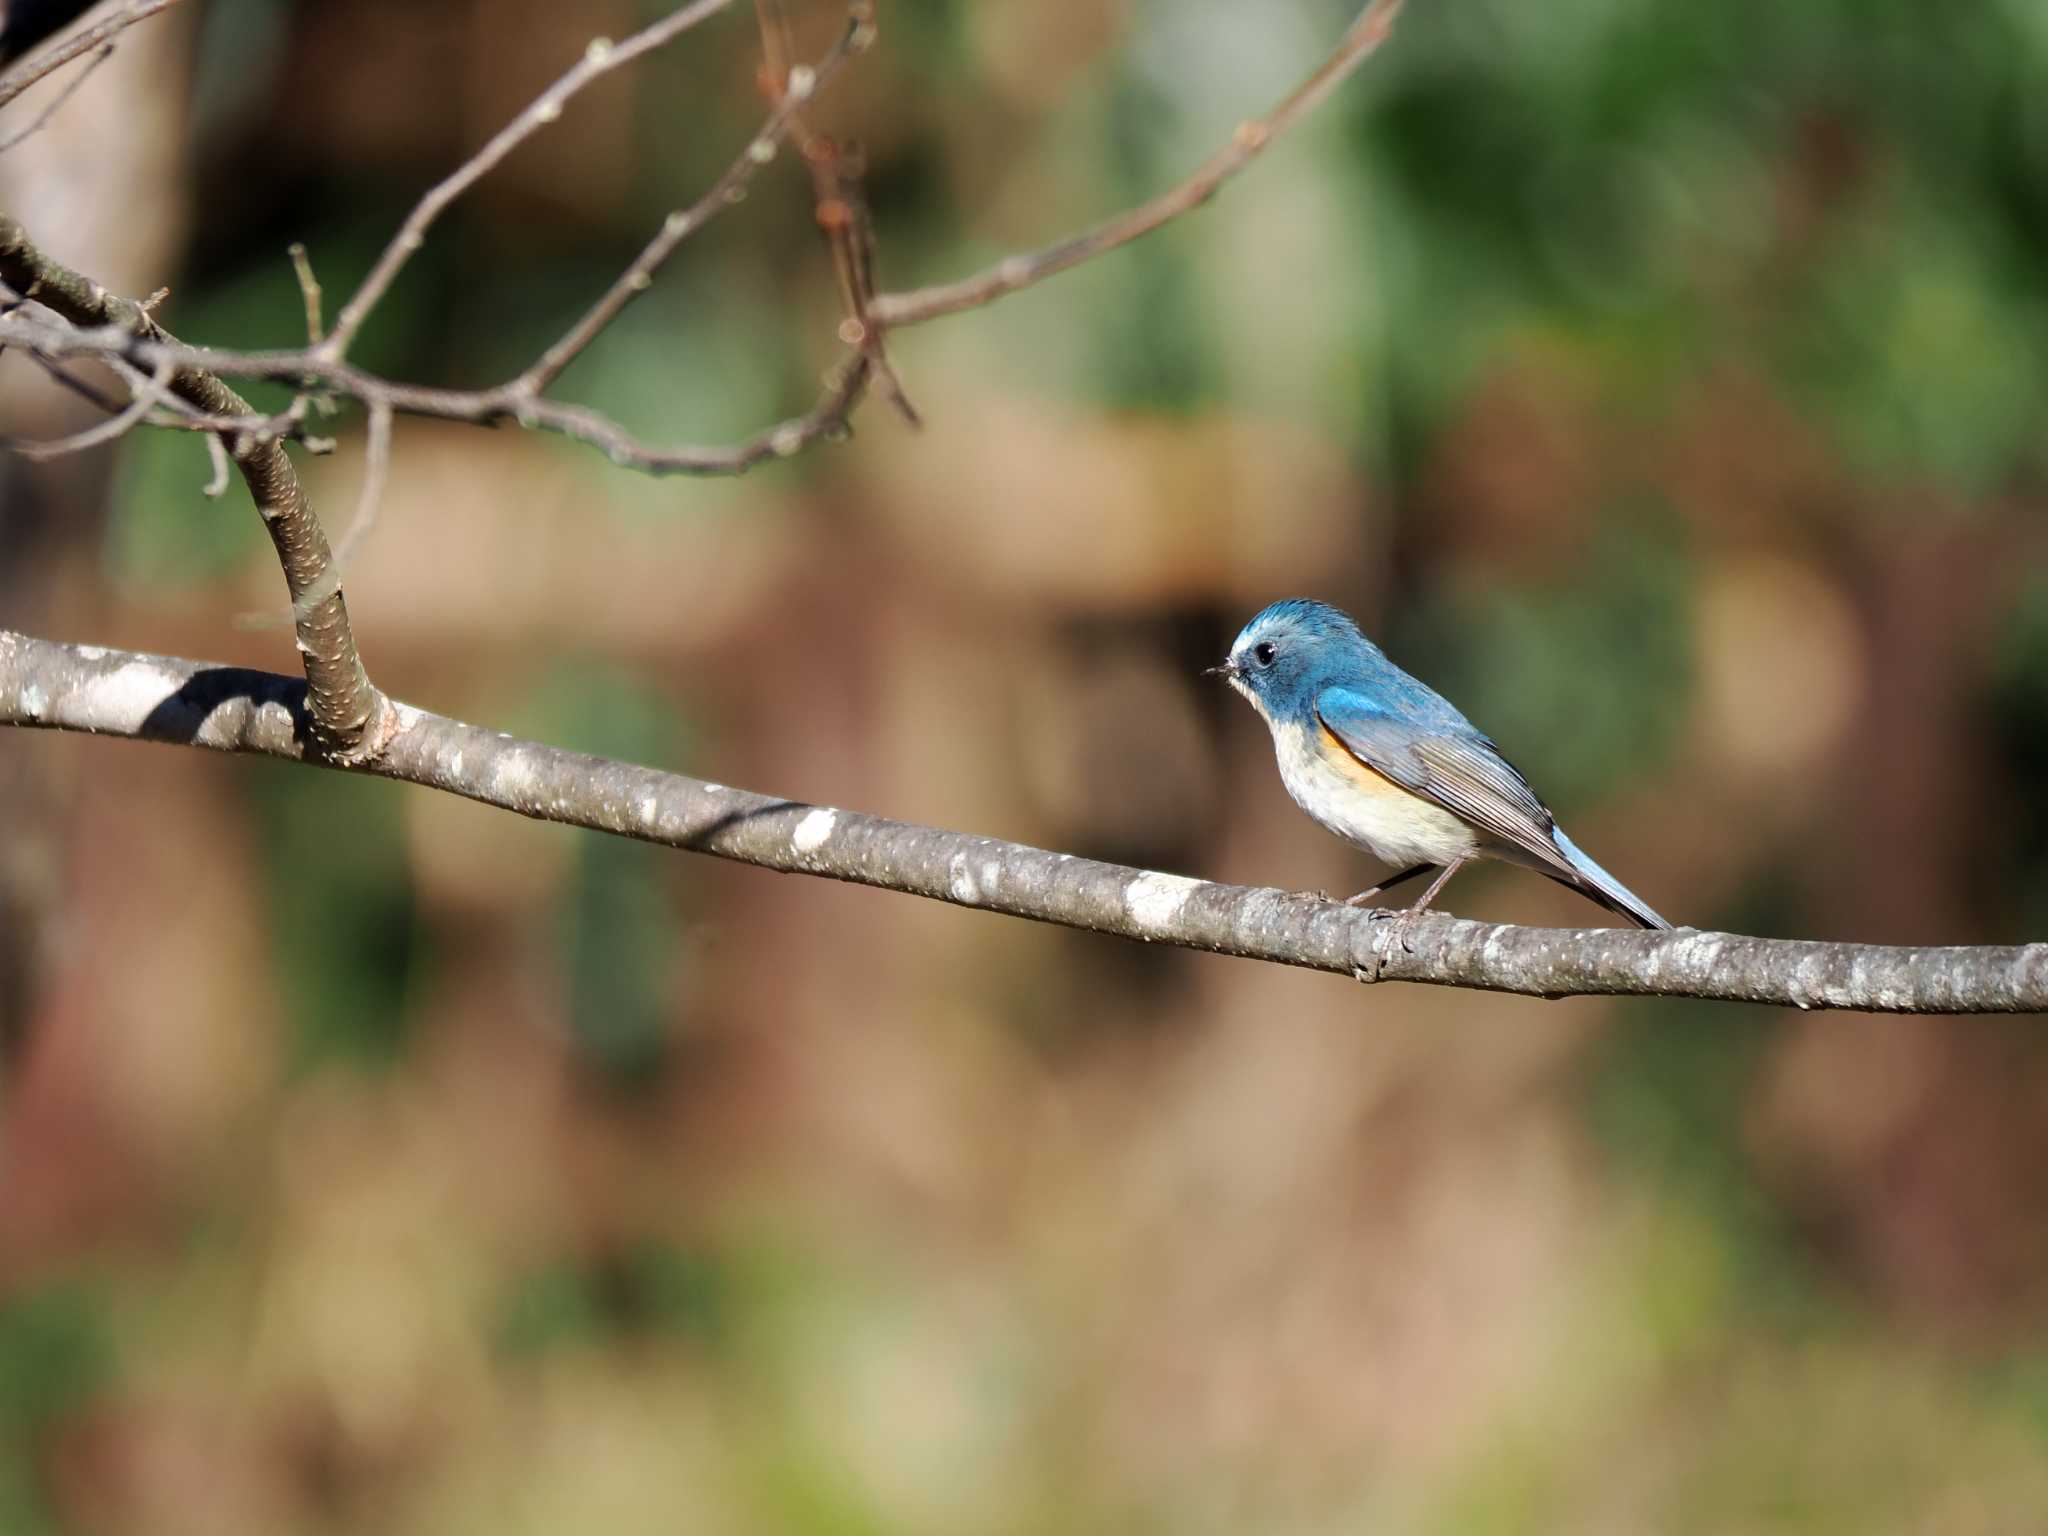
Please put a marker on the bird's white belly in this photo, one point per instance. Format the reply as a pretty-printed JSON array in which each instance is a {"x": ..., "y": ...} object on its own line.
[{"x": 1356, "y": 803}]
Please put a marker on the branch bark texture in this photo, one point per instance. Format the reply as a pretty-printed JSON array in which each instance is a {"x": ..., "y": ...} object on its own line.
[
  {"x": 347, "y": 710},
  {"x": 154, "y": 698}
]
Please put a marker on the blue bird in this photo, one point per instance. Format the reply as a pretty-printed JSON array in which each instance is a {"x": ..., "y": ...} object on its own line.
[{"x": 1386, "y": 762}]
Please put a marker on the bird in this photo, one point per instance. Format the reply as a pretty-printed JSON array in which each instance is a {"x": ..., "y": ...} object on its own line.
[{"x": 1385, "y": 762}]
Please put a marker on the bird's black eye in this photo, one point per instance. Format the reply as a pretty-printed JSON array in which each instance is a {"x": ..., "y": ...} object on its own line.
[{"x": 1263, "y": 653}]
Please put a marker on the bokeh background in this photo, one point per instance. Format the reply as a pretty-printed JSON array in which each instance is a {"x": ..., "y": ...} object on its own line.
[{"x": 1662, "y": 380}]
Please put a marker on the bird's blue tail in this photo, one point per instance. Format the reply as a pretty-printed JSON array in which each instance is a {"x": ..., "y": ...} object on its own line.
[{"x": 1604, "y": 888}]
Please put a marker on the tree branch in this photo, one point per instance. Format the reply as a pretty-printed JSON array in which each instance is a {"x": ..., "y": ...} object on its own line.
[
  {"x": 1359, "y": 43},
  {"x": 41, "y": 120},
  {"x": 324, "y": 360},
  {"x": 601, "y": 57},
  {"x": 29, "y": 70},
  {"x": 153, "y": 698},
  {"x": 841, "y": 389},
  {"x": 870, "y": 316},
  {"x": 348, "y": 712}
]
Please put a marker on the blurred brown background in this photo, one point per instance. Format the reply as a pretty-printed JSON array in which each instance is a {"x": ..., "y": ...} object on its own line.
[{"x": 1662, "y": 381}]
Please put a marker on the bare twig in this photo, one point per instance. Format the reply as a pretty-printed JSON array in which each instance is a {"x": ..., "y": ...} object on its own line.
[
  {"x": 841, "y": 211},
  {"x": 217, "y": 487},
  {"x": 324, "y": 361},
  {"x": 843, "y": 387},
  {"x": 144, "y": 400},
  {"x": 600, "y": 58},
  {"x": 309, "y": 289},
  {"x": 84, "y": 688},
  {"x": 680, "y": 225},
  {"x": 1360, "y": 42},
  {"x": 841, "y": 208},
  {"x": 36, "y": 66},
  {"x": 42, "y": 118},
  {"x": 85, "y": 389},
  {"x": 376, "y": 471}
]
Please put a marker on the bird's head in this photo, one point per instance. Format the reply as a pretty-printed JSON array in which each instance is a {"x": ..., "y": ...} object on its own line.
[{"x": 1287, "y": 652}]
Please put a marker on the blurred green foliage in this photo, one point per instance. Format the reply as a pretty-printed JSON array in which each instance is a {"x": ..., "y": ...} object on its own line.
[
  {"x": 341, "y": 912},
  {"x": 1605, "y": 649},
  {"x": 652, "y": 1288},
  {"x": 56, "y": 1353},
  {"x": 618, "y": 933}
]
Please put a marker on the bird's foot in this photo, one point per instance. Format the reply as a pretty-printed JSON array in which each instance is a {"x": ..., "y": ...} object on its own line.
[
  {"x": 1390, "y": 928},
  {"x": 1399, "y": 926}
]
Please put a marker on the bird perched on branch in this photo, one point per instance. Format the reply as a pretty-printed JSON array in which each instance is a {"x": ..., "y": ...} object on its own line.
[{"x": 1386, "y": 762}]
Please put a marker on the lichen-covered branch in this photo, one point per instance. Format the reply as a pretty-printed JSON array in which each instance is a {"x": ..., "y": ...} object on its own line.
[{"x": 154, "y": 698}]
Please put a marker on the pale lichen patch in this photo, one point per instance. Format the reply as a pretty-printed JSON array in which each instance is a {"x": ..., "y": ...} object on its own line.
[
  {"x": 123, "y": 700},
  {"x": 511, "y": 774},
  {"x": 962, "y": 886},
  {"x": 1154, "y": 900},
  {"x": 812, "y": 831}
]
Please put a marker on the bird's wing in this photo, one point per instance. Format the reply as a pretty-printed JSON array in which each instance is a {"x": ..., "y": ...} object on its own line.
[{"x": 1449, "y": 764}]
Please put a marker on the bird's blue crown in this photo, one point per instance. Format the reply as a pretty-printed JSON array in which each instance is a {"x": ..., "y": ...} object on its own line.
[
  {"x": 1293, "y": 648},
  {"x": 1305, "y": 617}
]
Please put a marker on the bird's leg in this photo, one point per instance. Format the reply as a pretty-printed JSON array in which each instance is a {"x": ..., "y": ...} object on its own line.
[
  {"x": 1399, "y": 931},
  {"x": 1364, "y": 898}
]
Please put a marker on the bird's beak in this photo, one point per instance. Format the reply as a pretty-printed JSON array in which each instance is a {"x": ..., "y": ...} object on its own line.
[{"x": 1227, "y": 669}]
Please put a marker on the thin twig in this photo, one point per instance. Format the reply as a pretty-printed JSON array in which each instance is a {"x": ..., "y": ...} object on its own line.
[
  {"x": 679, "y": 226},
  {"x": 86, "y": 688},
  {"x": 86, "y": 390},
  {"x": 843, "y": 387},
  {"x": 309, "y": 289},
  {"x": 600, "y": 58},
  {"x": 140, "y": 405},
  {"x": 36, "y": 66},
  {"x": 376, "y": 471},
  {"x": 71, "y": 86},
  {"x": 1360, "y": 42},
  {"x": 841, "y": 208},
  {"x": 218, "y": 485}
]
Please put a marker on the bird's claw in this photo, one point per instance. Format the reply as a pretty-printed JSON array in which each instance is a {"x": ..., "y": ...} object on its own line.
[{"x": 1399, "y": 927}]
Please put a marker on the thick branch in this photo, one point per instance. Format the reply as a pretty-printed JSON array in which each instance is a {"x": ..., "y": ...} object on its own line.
[
  {"x": 348, "y": 712},
  {"x": 84, "y": 688}
]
